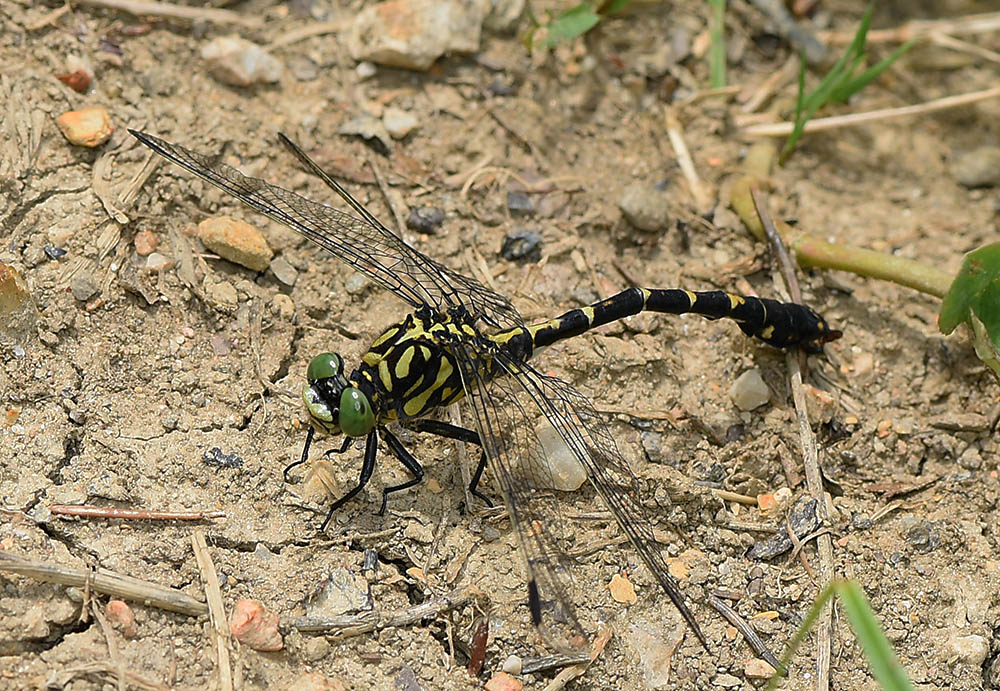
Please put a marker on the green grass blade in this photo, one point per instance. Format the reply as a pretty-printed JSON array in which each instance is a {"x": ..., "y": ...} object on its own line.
[
  {"x": 717, "y": 44},
  {"x": 856, "y": 84},
  {"x": 885, "y": 666}
]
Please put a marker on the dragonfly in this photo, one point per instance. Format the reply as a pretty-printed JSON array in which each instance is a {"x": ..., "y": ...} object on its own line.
[{"x": 465, "y": 342}]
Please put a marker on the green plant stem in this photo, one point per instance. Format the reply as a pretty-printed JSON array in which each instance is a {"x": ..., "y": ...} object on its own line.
[
  {"x": 810, "y": 251},
  {"x": 717, "y": 44}
]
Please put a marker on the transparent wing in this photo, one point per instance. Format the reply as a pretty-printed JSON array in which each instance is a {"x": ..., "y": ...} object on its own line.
[
  {"x": 591, "y": 441},
  {"x": 359, "y": 240},
  {"x": 515, "y": 457}
]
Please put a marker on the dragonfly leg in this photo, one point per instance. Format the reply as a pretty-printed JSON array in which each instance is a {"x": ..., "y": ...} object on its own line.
[
  {"x": 367, "y": 468},
  {"x": 449, "y": 431},
  {"x": 408, "y": 461},
  {"x": 305, "y": 453}
]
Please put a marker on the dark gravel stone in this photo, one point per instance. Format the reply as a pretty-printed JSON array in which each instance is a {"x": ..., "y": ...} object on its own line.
[
  {"x": 522, "y": 245},
  {"x": 425, "y": 219}
]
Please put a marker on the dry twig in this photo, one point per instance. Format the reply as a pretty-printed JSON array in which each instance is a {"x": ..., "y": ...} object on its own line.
[
  {"x": 216, "y": 610},
  {"x": 86, "y": 511},
  {"x": 348, "y": 625},
  {"x": 810, "y": 452},
  {"x": 783, "y": 129},
  {"x": 107, "y": 582},
  {"x": 149, "y": 8}
]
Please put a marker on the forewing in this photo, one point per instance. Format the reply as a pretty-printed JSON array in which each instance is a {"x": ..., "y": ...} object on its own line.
[
  {"x": 360, "y": 241},
  {"x": 589, "y": 438},
  {"x": 515, "y": 455}
]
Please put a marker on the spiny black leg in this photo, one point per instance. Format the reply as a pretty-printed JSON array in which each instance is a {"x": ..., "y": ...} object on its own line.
[
  {"x": 476, "y": 477},
  {"x": 367, "y": 468},
  {"x": 343, "y": 448},
  {"x": 407, "y": 459},
  {"x": 449, "y": 431},
  {"x": 305, "y": 454}
]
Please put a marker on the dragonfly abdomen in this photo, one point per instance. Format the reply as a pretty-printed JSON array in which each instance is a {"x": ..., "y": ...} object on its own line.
[{"x": 780, "y": 324}]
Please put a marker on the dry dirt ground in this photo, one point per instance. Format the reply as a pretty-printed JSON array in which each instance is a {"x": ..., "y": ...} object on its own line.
[{"x": 118, "y": 400}]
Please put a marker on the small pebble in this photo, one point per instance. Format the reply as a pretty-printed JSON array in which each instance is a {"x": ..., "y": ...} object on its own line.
[
  {"x": 749, "y": 391},
  {"x": 239, "y": 242},
  {"x": 645, "y": 207},
  {"x": 512, "y": 665},
  {"x": 157, "y": 262},
  {"x": 727, "y": 681},
  {"x": 371, "y": 130},
  {"x": 622, "y": 590},
  {"x": 425, "y": 219},
  {"x": 283, "y": 271},
  {"x": 412, "y": 34},
  {"x": 501, "y": 681},
  {"x": 315, "y": 649},
  {"x": 215, "y": 457},
  {"x": 970, "y": 649},
  {"x": 17, "y": 311},
  {"x": 654, "y": 652},
  {"x": 83, "y": 287},
  {"x": 255, "y": 627},
  {"x": 88, "y": 127},
  {"x": 418, "y": 532},
  {"x": 78, "y": 80},
  {"x": 356, "y": 284},
  {"x": 303, "y": 68},
  {"x": 145, "y": 243},
  {"x": 563, "y": 470},
  {"x": 238, "y": 62},
  {"x": 53, "y": 252},
  {"x": 222, "y": 294},
  {"x": 519, "y": 203},
  {"x": 755, "y": 668},
  {"x": 820, "y": 405},
  {"x": 220, "y": 344},
  {"x": 120, "y": 616},
  {"x": 283, "y": 306},
  {"x": 14, "y": 294},
  {"x": 978, "y": 168},
  {"x": 522, "y": 245},
  {"x": 504, "y": 15},
  {"x": 399, "y": 123},
  {"x": 365, "y": 70}
]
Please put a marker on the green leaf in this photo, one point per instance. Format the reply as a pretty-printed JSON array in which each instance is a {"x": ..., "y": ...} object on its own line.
[
  {"x": 975, "y": 291},
  {"x": 574, "y": 22}
]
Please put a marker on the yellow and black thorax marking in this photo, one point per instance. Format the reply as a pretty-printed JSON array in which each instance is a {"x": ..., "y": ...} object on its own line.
[{"x": 410, "y": 369}]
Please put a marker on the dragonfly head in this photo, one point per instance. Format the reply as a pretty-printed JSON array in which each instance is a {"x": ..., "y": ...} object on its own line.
[{"x": 333, "y": 404}]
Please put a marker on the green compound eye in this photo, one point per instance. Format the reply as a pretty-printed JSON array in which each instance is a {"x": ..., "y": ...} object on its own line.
[
  {"x": 324, "y": 366},
  {"x": 356, "y": 416}
]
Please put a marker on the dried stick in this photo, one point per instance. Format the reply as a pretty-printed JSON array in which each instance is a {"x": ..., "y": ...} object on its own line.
[
  {"x": 564, "y": 677},
  {"x": 810, "y": 452},
  {"x": 676, "y": 135},
  {"x": 739, "y": 623},
  {"x": 132, "y": 514},
  {"x": 104, "y": 670},
  {"x": 216, "y": 610},
  {"x": 347, "y": 625},
  {"x": 162, "y": 9},
  {"x": 783, "y": 129},
  {"x": 107, "y": 582}
]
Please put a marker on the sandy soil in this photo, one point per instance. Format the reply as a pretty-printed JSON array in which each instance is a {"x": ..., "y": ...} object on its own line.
[{"x": 119, "y": 399}]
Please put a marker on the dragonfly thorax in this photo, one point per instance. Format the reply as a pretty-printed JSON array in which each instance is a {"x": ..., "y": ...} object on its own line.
[{"x": 334, "y": 405}]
